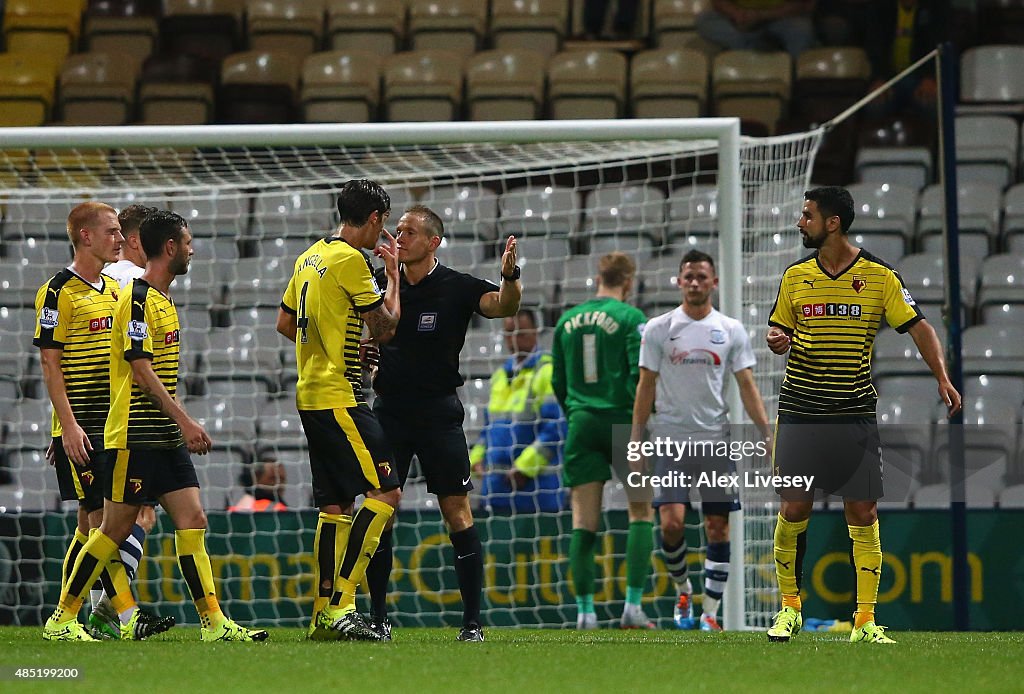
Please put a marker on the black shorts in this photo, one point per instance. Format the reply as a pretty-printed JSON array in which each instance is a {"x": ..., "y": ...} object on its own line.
[
  {"x": 432, "y": 431},
  {"x": 714, "y": 500},
  {"x": 139, "y": 475},
  {"x": 81, "y": 483},
  {"x": 844, "y": 455},
  {"x": 348, "y": 454}
]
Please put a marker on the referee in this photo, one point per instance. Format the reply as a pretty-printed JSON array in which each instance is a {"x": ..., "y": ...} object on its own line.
[{"x": 416, "y": 401}]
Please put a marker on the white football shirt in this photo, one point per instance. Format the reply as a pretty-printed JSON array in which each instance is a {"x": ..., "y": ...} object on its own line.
[
  {"x": 123, "y": 271},
  {"x": 692, "y": 359}
]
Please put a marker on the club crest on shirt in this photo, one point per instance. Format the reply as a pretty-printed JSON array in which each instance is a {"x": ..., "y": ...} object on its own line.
[
  {"x": 48, "y": 318},
  {"x": 427, "y": 322},
  {"x": 858, "y": 284},
  {"x": 138, "y": 330},
  {"x": 717, "y": 337}
]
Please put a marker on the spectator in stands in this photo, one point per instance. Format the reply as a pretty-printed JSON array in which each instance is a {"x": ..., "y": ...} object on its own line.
[
  {"x": 759, "y": 25},
  {"x": 524, "y": 429},
  {"x": 843, "y": 22},
  {"x": 902, "y": 31},
  {"x": 594, "y": 12},
  {"x": 264, "y": 483}
]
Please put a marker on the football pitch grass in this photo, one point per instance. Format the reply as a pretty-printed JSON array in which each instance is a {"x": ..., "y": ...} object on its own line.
[{"x": 526, "y": 661}]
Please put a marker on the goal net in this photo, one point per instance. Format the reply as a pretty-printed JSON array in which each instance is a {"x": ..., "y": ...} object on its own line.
[{"x": 255, "y": 198}]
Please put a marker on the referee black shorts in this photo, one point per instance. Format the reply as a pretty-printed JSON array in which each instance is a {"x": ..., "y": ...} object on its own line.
[
  {"x": 81, "y": 483},
  {"x": 348, "y": 454},
  {"x": 430, "y": 429},
  {"x": 843, "y": 454}
]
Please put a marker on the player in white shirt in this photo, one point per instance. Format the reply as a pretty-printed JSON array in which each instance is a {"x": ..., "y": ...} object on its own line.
[
  {"x": 685, "y": 357},
  {"x": 132, "y": 261}
]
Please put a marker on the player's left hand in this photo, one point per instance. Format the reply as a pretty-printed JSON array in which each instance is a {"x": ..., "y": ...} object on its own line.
[
  {"x": 950, "y": 397},
  {"x": 508, "y": 258}
]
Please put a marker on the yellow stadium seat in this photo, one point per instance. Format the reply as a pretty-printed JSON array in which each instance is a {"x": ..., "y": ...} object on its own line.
[
  {"x": 47, "y": 28},
  {"x": 26, "y": 90}
]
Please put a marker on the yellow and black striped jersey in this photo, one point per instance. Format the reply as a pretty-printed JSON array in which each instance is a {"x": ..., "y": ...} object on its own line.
[
  {"x": 331, "y": 286},
  {"x": 833, "y": 321},
  {"x": 145, "y": 327},
  {"x": 75, "y": 317}
]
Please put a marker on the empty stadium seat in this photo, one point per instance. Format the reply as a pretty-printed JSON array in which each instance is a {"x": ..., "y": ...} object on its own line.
[
  {"x": 1002, "y": 288},
  {"x": 177, "y": 89},
  {"x": 1008, "y": 388},
  {"x": 937, "y": 496},
  {"x": 377, "y": 26},
  {"x": 258, "y": 87},
  {"x": 536, "y": 25},
  {"x": 990, "y": 430},
  {"x": 48, "y": 30},
  {"x": 1012, "y": 497},
  {"x": 897, "y": 151},
  {"x": 990, "y": 75},
  {"x": 220, "y": 213},
  {"x": 457, "y": 26},
  {"x": 98, "y": 89},
  {"x": 541, "y": 277},
  {"x": 660, "y": 290},
  {"x": 993, "y": 349},
  {"x": 587, "y": 84},
  {"x": 924, "y": 276},
  {"x": 897, "y": 354},
  {"x": 295, "y": 27},
  {"x": 669, "y": 83},
  {"x": 423, "y": 86},
  {"x": 298, "y": 215},
  {"x": 630, "y": 218},
  {"x": 752, "y": 85},
  {"x": 828, "y": 81},
  {"x": 987, "y": 149},
  {"x": 547, "y": 215},
  {"x": 692, "y": 211},
  {"x": 578, "y": 280},
  {"x": 905, "y": 428},
  {"x": 209, "y": 29},
  {"x": 467, "y": 211},
  {"x": 674, "y": 22},
  {"x": 978, "y": 208},
  {"x": 1013, "y": 219},
  {"x": 128, "y": 27},
  {"x": 885, "y": 219},
  {"x": 482, "y": 353},
  {"x": 26, "y": 90},
  {"x": 341, "y": 87},
  {"x": 505, "y": 85}
]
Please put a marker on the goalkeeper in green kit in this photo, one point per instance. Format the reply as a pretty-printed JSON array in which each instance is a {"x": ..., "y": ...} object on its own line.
[{"x": 595, "y": 355}]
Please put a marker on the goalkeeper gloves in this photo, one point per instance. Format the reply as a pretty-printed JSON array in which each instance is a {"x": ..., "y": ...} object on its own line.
[{"x": 531, "y": 461}]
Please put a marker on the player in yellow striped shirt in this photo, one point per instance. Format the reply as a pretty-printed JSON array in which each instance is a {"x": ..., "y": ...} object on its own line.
[{"x": 826, "y": 316}]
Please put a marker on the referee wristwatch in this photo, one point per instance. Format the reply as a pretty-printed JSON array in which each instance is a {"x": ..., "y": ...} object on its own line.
[{"x": 516, "y": 272}]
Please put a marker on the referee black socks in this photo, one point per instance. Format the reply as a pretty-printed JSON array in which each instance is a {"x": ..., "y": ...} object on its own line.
[{"x": 469, "y": 570}]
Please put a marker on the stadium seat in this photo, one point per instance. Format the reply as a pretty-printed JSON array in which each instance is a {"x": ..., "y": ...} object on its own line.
[
  {"x": 987, "y": 149},
  {"x": 587, "y": 84},
  {"x": 693, "y": 211},
  {"x": 659, "y": 277},
  {"x": 26, "y": 90},
  {"x": 897, "y": 354},
  {"x": 752, "y": 85},
  {"x": 548, "y": 216},
  {"x": 35, "y": 483},
  {"x": 921, "y": 389},
  {"x": 978, "y": 209},
  {"x": 376, "y": 26},
  {"x": 828, "y": 81},
  {"x": 222, "y": 213},
  {"x": 258, "y": 87},
  {"x": 98, "y": 89},
  {"x": 44, "y": 251},
  {"x": 218, "y": 477},
  {"x": 674, "y": 22},
  {"x": 1012, "y": 497},
  {"x": 460, "y": 254},
  {"x": 296, "y": 216},
  {"x": 48, "y": 30},
  {"x": 468, "y": 212},
  {"x": 896, "y": 150},
  {"x": 578, "y": 280},
  {"x": 203, "y": 286},
  {"x": 295, "y": 27},
  {"x": 905, "y": 429},
  {"x": 1008, "y": 388},
  {"x": 885, "y": 219},
  {"x": 177, "y": 89},
  {"x": 231, "y": 422},
  {"x": 208, "y": 29},
  {"x": 924, "y": 276},
  {"x": 991, "y": 429},
  {"x": 630, "y": 218},
  {"x": 541, "y": 278},
  {"x": 531, "y": 25},
  {"x": 482, "y": 353},
  {"x": 457, "y": 26},
  {"x": 669, "y": 83},
  {"x": 990, "y": 75},
  {"x": 194, "y": 318},
  {"x": 423, "y": 86},
  {"x": 505, "y": 84},
  {"x": 937, "y": 496},
  {"x": 259, "y": 281},
  {"x": 128, "y": 27},
  {"x": 37, "y": 216},
  {"x": 19, "y": 281},
  {"x": 280, "y": 431},
  {"x": 1013, "y": 219},
  {"x": 1002, "y": 288},
  {"x": 993, "y": 349},
  {"x": 341, "y": 87}
]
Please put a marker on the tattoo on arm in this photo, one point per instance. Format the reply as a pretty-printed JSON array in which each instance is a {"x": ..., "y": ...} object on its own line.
[{"x": 380, "y": 321}]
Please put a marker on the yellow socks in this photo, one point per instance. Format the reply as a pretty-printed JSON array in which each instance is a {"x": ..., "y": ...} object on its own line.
[
  {"x": 367, "y": 526},
  {"x": 194, "y": 562},
  {"x": 77, "y": 543},
  {"x": 91, "y": 560},
  {"x": 867, "y": 563},
  {"x": 790, "y": 545},
  {"x": 328, "y": 547}
]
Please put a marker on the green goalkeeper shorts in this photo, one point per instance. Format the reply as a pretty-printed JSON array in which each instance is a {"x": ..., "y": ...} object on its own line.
[{"x": 596, "y": 443}]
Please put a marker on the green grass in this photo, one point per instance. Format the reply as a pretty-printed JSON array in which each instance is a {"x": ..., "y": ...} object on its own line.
[{"x": 528, "y": 661}]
